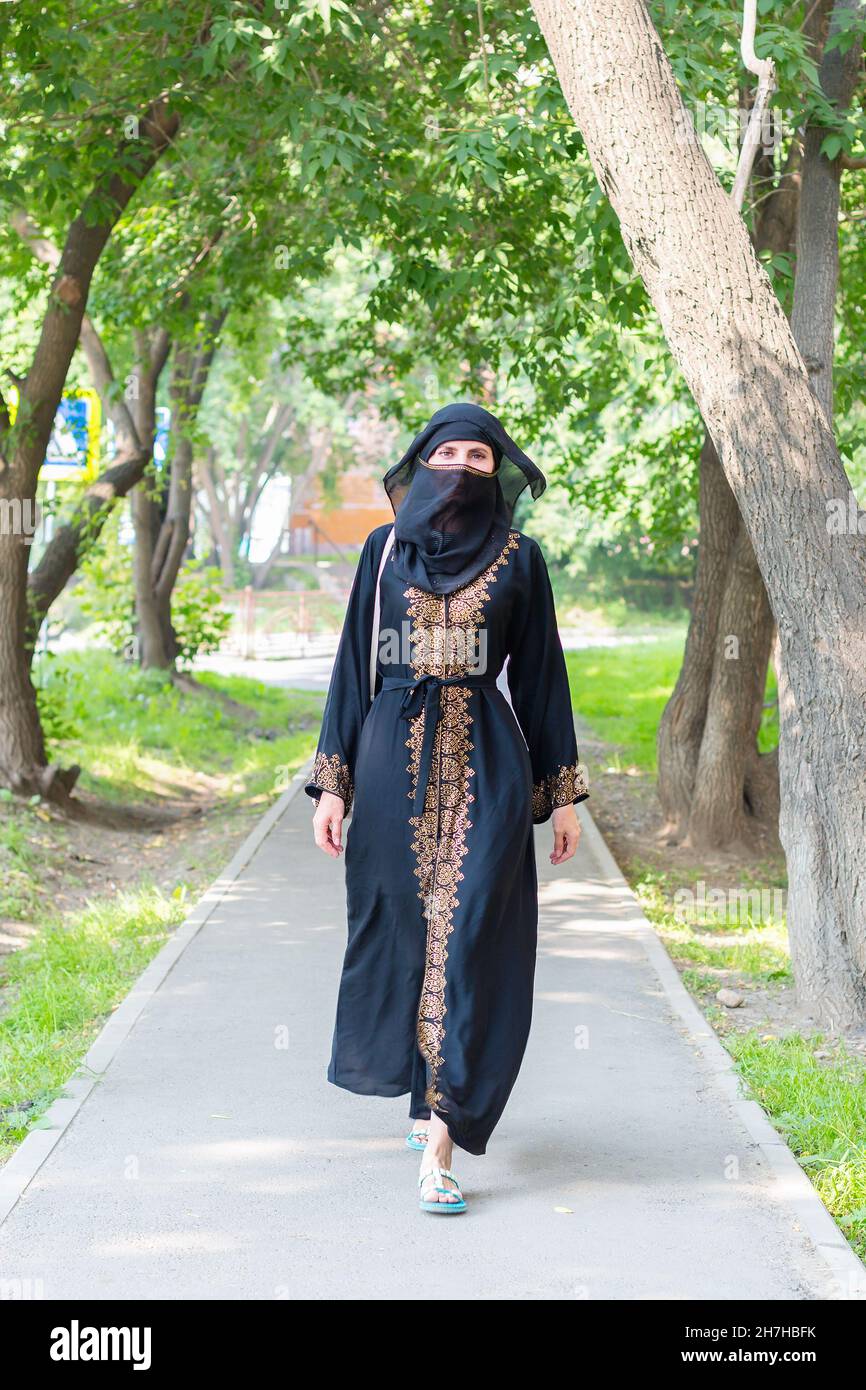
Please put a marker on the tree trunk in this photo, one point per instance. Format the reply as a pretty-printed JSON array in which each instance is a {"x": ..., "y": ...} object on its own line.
[
  {"x": 61, "y": 556},
  {"x": 735, "y": 346},
  {"x": 682, "y": 729},
  {"x": 154, "y": 645},
  {"x": 23, "y": 763},
  {"x": 232, "y": 499},
  {"x": 219, "y": 517},
  {"x": 152, "y": 649},
  {"x": 719, "y": 812},
  {"x": 829, "y": 961},
  {"x": 735, "y": 786},
  {"x": 160, "y": 550},
  {"x": 262, "y": 572}
]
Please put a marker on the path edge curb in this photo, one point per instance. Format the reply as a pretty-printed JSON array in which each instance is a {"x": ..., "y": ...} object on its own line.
[
  {"x": 17, "y": 1174},
  {"x": 848, "y": 1273}
]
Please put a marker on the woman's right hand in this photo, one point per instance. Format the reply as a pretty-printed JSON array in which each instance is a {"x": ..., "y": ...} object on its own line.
[{"x": 328, "y": 824}]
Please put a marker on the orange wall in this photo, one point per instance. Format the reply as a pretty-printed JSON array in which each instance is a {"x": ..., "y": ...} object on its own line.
[
  {"x": 350, "y": 527},
  {"x": 362, "y": 507}
]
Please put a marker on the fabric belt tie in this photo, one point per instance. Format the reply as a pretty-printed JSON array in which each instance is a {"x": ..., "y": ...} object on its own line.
[{"x": 420, "y": 693}]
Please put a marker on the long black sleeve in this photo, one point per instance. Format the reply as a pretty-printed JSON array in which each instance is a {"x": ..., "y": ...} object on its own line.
[
  {"x": 348, "y": 699},
  {"x": 540, "y": 695}
]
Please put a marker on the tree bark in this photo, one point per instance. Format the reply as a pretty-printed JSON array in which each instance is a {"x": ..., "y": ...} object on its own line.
[
  {"x": 829, "y": 963},
  {"x": 145, "y": 520},
  {"x": 735, "y": 346},
  {"x": 719, "y": 810}
]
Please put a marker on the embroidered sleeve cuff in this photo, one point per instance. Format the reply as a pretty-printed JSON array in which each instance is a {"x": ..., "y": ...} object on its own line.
[
  {"x": 329, "y": 774},
  {"x": 561, "y": 788}
]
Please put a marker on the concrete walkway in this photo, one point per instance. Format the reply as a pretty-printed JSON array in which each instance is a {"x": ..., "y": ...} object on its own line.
[{"x": 206, "y": 1156}]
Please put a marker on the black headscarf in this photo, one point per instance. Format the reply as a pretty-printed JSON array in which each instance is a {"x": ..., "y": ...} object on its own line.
[{"x": 451, "y": 523}]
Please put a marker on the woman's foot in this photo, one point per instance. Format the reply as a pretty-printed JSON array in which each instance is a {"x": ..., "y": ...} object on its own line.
[
  {"x": 420, "y": 1132},
  {"x": 438, "y": 1153}
]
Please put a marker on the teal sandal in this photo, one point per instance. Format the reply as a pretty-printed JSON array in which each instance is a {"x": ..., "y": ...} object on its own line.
[
  {"x": 445, "y": 1208},
  {"x": 416, "y": 1134}
]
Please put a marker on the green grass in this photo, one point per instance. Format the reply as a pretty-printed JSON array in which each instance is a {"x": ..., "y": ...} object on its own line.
[
  {"x": 753, "y": 946},
  {"x": 820, "y": 1108},
  {"x": 139, "y": 739},
  {"x": 621, "y": 692},
  {"x": 19, "y": 860},
  {"x": 59, "y": 990},
  {"x": 577, "y": 609}
]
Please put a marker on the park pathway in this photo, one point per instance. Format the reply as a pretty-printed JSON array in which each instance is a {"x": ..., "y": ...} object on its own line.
[{"x": 212, "y": 1159}]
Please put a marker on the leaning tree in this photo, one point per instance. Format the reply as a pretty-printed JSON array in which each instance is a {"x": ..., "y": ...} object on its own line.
[{"x": 727, "y": 330}]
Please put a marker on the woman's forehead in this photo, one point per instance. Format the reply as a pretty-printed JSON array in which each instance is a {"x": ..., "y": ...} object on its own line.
[{"x": 476, "y": 443}]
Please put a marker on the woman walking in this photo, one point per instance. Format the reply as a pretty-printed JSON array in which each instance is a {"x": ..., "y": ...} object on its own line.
[{"x": 444, "y": 785}]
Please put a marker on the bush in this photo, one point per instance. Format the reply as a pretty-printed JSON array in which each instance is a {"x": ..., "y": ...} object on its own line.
[
  {"x": 107, "y": 598},
  {"x": 59, "y": 698},
  {"x": 199, "y": 619}
]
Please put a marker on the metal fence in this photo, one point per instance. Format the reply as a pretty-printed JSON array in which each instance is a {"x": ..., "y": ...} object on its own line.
[{"x": 284, "y": 625}]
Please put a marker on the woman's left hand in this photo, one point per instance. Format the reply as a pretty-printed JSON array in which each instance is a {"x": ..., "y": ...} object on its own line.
[{"x": 566, "y": 834}]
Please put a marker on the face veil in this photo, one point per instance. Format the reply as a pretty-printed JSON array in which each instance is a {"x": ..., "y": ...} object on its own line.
[{"x": 452, "y": 522}]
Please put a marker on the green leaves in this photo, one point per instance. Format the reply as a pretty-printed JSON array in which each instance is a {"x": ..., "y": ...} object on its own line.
[
  {"x": 311, "y": 14},
  {"x": 832, "y": 145},
  {"x": 443, "y": 195}
]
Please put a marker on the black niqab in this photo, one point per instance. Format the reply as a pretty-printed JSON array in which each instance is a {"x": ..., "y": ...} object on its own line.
[{"x": 451, "y": 523}]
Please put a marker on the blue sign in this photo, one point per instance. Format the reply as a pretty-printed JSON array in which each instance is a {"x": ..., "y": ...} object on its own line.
[
  {"x": 70, "y": 438},
  {"x": 160, "y": 441}
]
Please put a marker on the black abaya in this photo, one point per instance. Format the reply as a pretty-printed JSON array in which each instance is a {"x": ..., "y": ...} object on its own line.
[{"x": 435, "y": 997}]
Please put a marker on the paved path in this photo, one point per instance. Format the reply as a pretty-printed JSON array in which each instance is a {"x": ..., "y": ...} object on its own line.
[{"x": 212, "y": 1159}]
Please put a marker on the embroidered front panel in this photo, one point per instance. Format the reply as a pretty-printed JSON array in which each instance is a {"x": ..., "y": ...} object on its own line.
[
  {"x": 448, "y": 647},
  {"x": 332, "y": 775},
  {"x": 466, "y": 605},
  {"x": 439, "y": 846},
  {"x": 560, "y": 788},
  {"x": 439, "y": 842}
]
